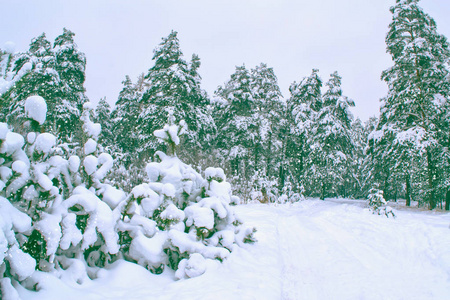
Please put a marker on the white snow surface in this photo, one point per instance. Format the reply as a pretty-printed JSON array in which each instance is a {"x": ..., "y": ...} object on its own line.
[{"x": 309, "y": 250}]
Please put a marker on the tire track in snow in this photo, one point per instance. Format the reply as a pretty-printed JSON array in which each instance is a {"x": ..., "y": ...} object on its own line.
[{"x": 294, "y": 257}]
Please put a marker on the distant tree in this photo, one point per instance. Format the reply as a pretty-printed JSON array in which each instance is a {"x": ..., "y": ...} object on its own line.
[
  {"x": 331, "y": 141},
  {"x": 103, "y": 117},
  {"x": 173, "y": 85},
  {"x": 56, "y": 73},
  {"x": 270, "y": 107},
  {"x": 302, "y": 107},
  {"x": 39, "y": 79},
  {"x": 124, "y": 119},
  {"x": 71, "y": 66},
  {"x": 237, "y": 127}
]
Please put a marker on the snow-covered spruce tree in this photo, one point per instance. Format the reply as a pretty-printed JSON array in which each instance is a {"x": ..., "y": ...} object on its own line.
[
  {"x": 302, "y": 107},
  {"x": 173, "y": 85},
  {"x": 377, "y": 203},
  {"x": 124, "y": 119},
  {"x": 418, "y": 95},
  {"x": 177, "y": 218}
]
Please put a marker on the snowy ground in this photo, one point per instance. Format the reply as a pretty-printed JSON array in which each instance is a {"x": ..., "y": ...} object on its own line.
[{"x": 311, "y": 250}]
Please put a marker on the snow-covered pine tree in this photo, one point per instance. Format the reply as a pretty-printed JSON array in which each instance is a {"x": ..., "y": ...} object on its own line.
[
  {"x": 71, "y": 66},
  {"x": 418, "y": 93},
  {"x": 173, "y": 85},
  {"x": 302, "y": 107},
  {"x": 177, "y": 218},
  {"x": 237, "y": 129},
  {"x": 377, "y": 203},
  {"x": 128, "y": 167},
  {"x": 103, "y": 117},
  {"x": 270, "y": 107},
  {"x": 57, "y": 75},
  {"x": 7, "y": 79},
  {"x": 357, "y": 178},
  {"x": 40, "y": 78},
  {"x": 331, "y": 141},
  {"x": 124, "y": 118}
]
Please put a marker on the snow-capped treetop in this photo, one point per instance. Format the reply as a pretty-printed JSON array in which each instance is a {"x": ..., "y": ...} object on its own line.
[
  {"x": 171, "y": 133},
  {"x": 9, "y": 47}
]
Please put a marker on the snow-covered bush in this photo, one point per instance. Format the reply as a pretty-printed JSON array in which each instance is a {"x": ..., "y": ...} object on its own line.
[
  {"x": 56, "y": 214},
  {"x": 378, "y": 204},
  {"x": 178, "y": 218}
]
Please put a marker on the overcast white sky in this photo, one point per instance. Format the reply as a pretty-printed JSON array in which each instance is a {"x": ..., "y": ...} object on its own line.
[{"x": 292, "y": 36}]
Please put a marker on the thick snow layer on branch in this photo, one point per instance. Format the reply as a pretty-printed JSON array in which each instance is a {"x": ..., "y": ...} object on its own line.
[
  {"x": 149, "y": 251},
  {"x": 36, "y": 109},
  {"x": 214, "y": 174},
  {"x": 172, "y": 213},
  {"x": 106, "y": 163},
  {"x": 21, "y": 264},
  {"x": 101, "y": 219},
  {"x": 49, "y": 227},
  {"x": 192, "y": 267},
  {"x": 90, "y": 164},
  {"x": 201, "y": 217},
  {"x": 44, "y": 142},
  {"x": 90, "y": 147},
  {"x": 74, "y": 163},
  {"x": 12, "y": 143},
  {"x": 3, "y": 130},
  {"x": 113, "y": 196},
  {"x": 92, "y": 129}
]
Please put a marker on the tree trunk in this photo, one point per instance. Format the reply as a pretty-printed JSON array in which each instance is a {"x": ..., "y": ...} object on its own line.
[
  {"x": 408, "y": 190},
  {"x": 322, "y": 194},
  {"x": 432, "y": 200},
  {"x": 447, "y": 200}
]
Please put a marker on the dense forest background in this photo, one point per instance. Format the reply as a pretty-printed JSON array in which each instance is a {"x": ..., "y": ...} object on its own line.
[{"x": 273, "y": 148}]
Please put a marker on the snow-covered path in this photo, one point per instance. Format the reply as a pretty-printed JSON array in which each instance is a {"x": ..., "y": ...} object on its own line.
[{"x": 310, "y": 250}]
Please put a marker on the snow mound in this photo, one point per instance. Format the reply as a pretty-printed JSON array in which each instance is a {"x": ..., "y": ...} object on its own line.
[{"x": 36, "y": 109}]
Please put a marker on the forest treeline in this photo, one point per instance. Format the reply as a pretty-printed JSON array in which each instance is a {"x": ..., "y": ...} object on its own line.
[{"x": 272, "y": 148}]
